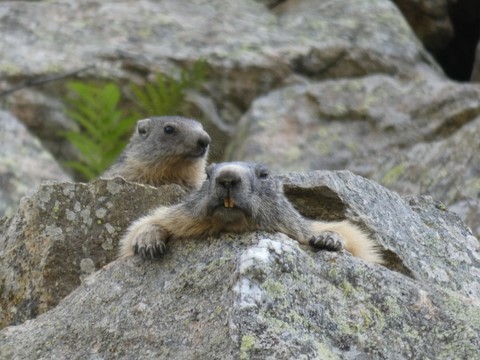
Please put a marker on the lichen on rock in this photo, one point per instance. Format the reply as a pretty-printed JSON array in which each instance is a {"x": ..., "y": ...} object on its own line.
[{"x": 254, "y": 295}]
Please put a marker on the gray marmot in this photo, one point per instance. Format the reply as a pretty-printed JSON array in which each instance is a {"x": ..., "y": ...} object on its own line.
[
  {"x": 241, "y": 197},
  {"x": 164, "y": 150}
]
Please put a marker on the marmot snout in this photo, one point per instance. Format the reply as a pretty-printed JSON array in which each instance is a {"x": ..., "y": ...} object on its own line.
[{"x": 228, "y": 187}]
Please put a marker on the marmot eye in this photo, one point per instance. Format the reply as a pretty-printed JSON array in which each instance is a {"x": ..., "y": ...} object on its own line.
[
  {"x": 263, "y": 175},
  {"x": 168, "y": 129}
]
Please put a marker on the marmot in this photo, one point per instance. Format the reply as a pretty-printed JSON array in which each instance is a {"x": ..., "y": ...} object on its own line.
[
  {"x": 240, "y": 197},
  {"x": 164, "y": 150}
]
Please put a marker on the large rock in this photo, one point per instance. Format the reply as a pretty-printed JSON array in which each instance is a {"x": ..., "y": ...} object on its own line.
[
  {"x": 447, "y": 169},
  {"x": 421, "y": 239},
  {"x": 263, "y": 296},
  {"x": 45, "y": 117},
  {"x": 60, "y": 234},
  {"x": 258, "y": 35},
  {"x": 251, "y": 49},
  {"x": 347, "y": 123},
  {"x": 24, "y": 163},
  {"x": 417, "y": 137}
]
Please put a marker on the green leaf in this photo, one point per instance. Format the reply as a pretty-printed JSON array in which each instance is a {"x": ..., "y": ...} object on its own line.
[
  {"x": 82, "y": 169},
  {"x": 88, "y": 148},
  {"x": 124, "y": 127},
  {"x": 141, "y": 97},
  {"x": 85, "y": 122}
]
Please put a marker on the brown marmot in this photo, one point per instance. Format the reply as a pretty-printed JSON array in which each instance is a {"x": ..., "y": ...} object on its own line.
[
  {"x": 240, "y": 197},
  {"x": 164, "y": 150}
]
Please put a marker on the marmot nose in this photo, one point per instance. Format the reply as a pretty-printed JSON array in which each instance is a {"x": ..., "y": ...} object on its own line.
[
  {"x": 228, "y": 180},
  {"x": 204, "y": 141}
]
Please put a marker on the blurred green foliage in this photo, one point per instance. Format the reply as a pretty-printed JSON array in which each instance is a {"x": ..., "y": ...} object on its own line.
[{"x": 102, "y": 125}]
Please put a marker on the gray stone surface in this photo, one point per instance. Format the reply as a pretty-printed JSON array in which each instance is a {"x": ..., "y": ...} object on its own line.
[
  {"x": 44, "y": 116},
  {"x": 263, "y": 295},
  {"x": 416, "y": 137},
  {"x": 61, "y": 233},
  {"x": 422, "y": 238},
  {"x": 447, "y": 169},
  {"x": 250, "y": 48},
  {"x": 250, "y": 297},
  {"x": 345, "y": 123},
  {"x": 24, "y": 163}
]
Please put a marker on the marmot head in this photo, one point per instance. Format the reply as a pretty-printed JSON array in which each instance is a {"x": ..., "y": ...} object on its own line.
[
  {"x": 239, "y": 191},
  {"x": 169, "y": 139}
]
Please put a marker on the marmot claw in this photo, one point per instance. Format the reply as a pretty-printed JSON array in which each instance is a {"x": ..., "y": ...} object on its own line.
[
  {"x": 149, "y": 242},
  {"x": 327, "y": 240}
]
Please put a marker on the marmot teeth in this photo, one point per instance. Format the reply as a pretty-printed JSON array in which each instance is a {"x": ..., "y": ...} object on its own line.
[{"x": 228, "y": 202}]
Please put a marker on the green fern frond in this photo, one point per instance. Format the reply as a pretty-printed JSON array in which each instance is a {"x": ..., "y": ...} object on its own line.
[
  {"x": 166, "y": 96},
  {"x": 83, "y": 169}
]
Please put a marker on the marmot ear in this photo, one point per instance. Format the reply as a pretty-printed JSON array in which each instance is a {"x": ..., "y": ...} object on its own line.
[
  {"x": 209, "y": 169},
  {"x": 143, "y": 127}
]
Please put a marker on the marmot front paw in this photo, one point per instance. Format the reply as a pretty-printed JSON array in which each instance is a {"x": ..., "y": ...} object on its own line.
[
  {"x": 327, "y": 240},
  {"x": 149, "y": 241}
]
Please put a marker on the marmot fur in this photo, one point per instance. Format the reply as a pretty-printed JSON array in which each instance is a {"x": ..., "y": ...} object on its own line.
[
  {"x": 164, "y": 150},
  {"x": 241, "y": 197}
]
